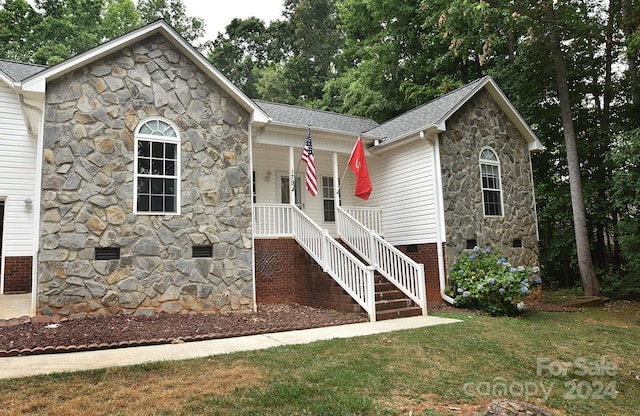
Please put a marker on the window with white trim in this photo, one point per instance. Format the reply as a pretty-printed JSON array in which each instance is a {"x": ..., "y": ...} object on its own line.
[
  {"x": 157, "y": 168},
  {"x": 491, "y": 187},
  {"x": 328, "y": 199}
]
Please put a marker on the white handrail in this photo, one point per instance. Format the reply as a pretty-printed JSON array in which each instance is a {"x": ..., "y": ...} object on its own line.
[
  {"x": 406, "y": 274},
  {"x": 272, "y": 220},
  {"x": 371, "y": 218},
  {"x": 355, "y": 277}
]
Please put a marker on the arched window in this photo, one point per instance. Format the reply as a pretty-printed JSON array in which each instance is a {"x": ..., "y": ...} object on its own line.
[
  {"x": 491, "y": 187},
  {"x": 157, "y": 168}
]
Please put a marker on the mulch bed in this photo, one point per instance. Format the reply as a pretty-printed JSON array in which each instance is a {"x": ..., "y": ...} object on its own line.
[
  {"x": 26, "y": 337},
  {"x": 128, "y": 330}
]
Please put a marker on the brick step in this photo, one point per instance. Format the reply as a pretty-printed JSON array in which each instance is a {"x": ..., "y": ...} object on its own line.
[
  {"x": 390, "y": 294},
  {"x": 384, "y": 287},
  {"x": 398, "y": 313},
  {"x": 383, "y": 305}
]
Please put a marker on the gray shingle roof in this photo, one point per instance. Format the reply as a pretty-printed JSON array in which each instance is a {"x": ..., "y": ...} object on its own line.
[
  {"x": 301, "y": 116},
  {"x": 18, "y": 71},
  {"x": 431, "y": 113}
]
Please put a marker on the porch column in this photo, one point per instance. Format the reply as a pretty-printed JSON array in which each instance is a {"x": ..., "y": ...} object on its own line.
[
  {"x": 292, "y": 177},
  {"x": 336, "y": 179}
]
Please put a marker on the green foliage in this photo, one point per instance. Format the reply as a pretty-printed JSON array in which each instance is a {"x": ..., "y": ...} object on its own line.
[
  {"x": 173, "y": 12},
  {"x": 484, "y": 279},
  {"x": 625, "y": 189},
  {"x": 119, "y": 17},
  {"x": 17, "y": 24}
]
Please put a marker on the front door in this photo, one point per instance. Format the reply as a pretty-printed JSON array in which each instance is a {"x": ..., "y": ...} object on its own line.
[{"x": 284, "y": 190}]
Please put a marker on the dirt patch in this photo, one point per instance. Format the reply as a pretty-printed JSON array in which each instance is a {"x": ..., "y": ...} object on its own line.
[{"x": 124, "y": 331}]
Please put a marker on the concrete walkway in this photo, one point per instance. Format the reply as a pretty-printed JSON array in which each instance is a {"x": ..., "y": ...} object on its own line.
[{"x": 15, "y": 367}]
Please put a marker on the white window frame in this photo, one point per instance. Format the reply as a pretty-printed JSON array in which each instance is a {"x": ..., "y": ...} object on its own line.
[
  {"x": 494, "y": 165},
  {"x": 157, "y": 138},
  {"x": 331, "y": 197}
]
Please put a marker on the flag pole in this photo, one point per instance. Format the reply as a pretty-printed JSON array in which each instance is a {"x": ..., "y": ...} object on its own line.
[
  {"x": 346, "y": 167},
  {"x": 292, "y": 176}
]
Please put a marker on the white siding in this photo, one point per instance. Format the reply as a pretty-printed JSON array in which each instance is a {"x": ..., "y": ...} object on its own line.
[
  {"x": 403, "y": 186},
  {"x": 17, "y": 175},
  {"x": 276, "y": 159}
]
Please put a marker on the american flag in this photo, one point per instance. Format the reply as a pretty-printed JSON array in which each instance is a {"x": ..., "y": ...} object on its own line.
[{"x": 307, "y": 157}]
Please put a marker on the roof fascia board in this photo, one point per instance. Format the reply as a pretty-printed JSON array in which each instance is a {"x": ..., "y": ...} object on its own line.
[
  {"x": 288, "y": 127},
  {"x": 7, "y": 80},
  {"x": 426, "y": 132}
]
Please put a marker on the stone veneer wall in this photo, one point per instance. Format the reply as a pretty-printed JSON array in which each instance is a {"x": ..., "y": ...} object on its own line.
[
  {"x": 87, "y": 197},
  {"x": 481, "y": 123}
]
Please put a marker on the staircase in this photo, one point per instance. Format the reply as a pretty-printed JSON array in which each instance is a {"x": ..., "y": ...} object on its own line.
[
  {"x": 391, "y": 303},
  {"x": 387, "y": 285}
]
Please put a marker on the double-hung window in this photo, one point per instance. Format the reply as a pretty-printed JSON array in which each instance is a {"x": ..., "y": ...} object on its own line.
[
  {"x": 328, "y": 199},
  {"x": 491, "y": 188},
  {"x": 157, "y": 168}
]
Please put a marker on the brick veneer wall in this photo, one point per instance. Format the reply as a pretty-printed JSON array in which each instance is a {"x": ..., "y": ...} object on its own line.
[
  {"x": 17, "y": 274},
  {"x": 285, "y": 273},
  {"x": 426, "y": 254}
]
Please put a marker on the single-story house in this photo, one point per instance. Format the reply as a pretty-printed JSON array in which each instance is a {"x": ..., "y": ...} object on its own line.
[{"x": 136, "y": 178}]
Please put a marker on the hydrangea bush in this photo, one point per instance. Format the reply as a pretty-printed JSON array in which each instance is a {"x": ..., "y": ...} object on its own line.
[{"x": 484, "y": 279}]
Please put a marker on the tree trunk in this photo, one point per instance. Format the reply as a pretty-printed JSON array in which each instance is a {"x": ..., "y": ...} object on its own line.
[{"x": 585, "y": 264}]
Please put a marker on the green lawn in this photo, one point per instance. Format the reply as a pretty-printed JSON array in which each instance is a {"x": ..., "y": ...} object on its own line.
[{"x": 574, "y": 363}]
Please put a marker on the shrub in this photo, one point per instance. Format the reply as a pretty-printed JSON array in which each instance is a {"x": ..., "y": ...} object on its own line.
[{"x": 484, "y": 279}]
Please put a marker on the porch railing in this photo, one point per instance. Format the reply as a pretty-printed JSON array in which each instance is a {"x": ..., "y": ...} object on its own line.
[
  {"x": 355, "y": 277},
  {"x": 272, "y": 220},
  {"x": 398, "y": 268},
  {"x": 371, "y": 218}
]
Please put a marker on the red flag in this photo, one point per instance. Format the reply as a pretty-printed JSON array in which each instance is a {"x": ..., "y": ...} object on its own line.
[
  {"x": 358, "y": 165},
  {"x": 308, "y": 158}
]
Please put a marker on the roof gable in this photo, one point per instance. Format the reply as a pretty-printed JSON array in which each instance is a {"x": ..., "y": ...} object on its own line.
[
  {"x": 434, "y": 115},
  {"x": 37, "y": 82}
]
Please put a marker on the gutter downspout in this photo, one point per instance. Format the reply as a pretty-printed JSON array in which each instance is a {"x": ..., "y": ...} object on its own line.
[
  {"x": 439, "y": 221},
  {"x": 39, "y": 134}
]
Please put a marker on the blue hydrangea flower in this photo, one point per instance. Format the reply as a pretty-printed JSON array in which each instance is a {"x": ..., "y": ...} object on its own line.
[
  {"x": 466, "y": 294},
  {"x": 537, "y": 280},
  {"x": 480, "y": 287},
  {"x": 514, "y": 270},
  {"x": 460, "y": 290},
  {"x": 491, "y": 280},
  {"x": 524, "y": 290},
  {"x": 502, "y": 291},
  {"x": 461, "y": 271},
  {"x": 472, "y": 256},
  {"x": 487, "y": 250}
]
